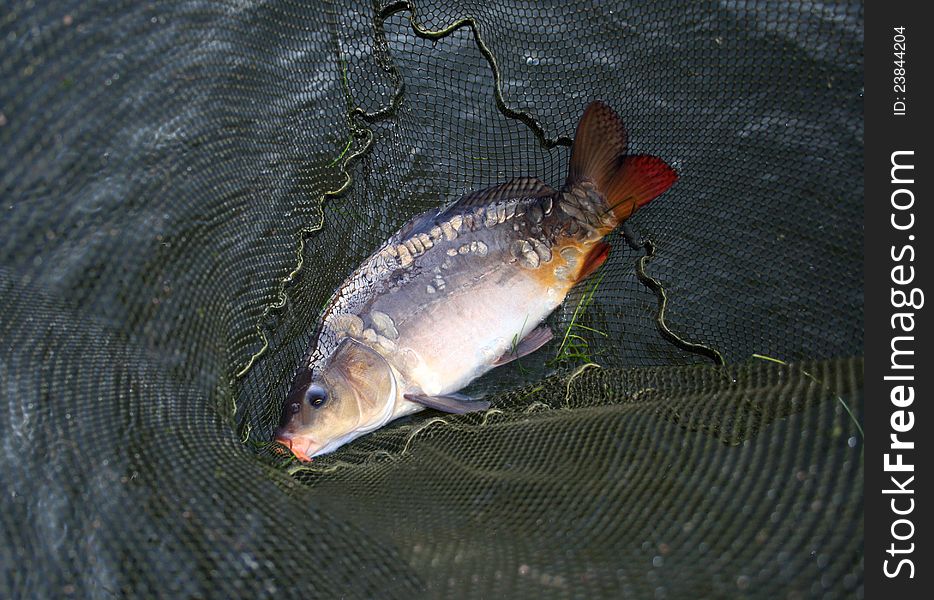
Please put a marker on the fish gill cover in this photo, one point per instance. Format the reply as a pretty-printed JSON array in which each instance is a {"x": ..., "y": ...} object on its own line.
[{"x": 183, "y": 186}]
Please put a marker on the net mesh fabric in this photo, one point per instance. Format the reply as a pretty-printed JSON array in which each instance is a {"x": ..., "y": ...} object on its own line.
[{"x": 184, "y": 184}]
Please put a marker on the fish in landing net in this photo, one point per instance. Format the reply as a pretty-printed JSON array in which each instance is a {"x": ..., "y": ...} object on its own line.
[{"x": 444, "y": 299}]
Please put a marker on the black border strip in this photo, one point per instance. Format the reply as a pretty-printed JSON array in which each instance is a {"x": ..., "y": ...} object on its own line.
[{"x": 893, "y": 253}]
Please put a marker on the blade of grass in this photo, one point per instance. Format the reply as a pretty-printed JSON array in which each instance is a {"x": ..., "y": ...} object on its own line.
[{"x": 816, "y": 380}]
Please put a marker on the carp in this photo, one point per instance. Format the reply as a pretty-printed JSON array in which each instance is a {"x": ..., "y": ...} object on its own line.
[{"x": 462, "y": 289}]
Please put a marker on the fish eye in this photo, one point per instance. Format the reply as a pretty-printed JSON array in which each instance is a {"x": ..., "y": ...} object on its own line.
[{"x": 316, "y": 395}]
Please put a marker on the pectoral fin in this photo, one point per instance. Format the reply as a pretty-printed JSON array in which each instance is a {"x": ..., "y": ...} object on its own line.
[
  {"x": 457, "y": 404},
  {"x": 534, "y": 340}
]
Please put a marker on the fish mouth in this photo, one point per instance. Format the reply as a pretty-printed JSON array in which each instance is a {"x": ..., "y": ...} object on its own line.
[{"x": 301, "y": 446}]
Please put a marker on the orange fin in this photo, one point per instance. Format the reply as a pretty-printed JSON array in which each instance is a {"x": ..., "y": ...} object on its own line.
[
  {"x": 627, "y": 182},
  {"x": 596, "y": 257}
]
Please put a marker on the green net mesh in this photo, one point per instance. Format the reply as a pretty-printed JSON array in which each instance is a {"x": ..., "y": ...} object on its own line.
[{"x": 183, "y": 185}]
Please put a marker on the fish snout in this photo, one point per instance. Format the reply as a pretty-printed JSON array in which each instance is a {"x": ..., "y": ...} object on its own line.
[{"x": 303, "y": 447}]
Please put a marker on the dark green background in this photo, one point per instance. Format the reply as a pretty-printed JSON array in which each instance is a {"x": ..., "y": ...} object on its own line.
[{"x": 166, "y": 166}]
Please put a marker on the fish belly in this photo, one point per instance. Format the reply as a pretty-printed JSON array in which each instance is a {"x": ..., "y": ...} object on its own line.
[{"x": 458, "y": 339}]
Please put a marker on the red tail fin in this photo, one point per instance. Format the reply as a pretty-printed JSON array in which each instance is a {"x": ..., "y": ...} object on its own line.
[{"x": 627, "y": 182}]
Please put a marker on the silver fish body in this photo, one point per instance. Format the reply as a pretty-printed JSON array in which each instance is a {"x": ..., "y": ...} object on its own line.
[{"x": 445, "y": 299}]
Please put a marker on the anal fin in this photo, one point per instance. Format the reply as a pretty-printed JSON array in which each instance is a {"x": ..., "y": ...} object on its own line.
[
  {"x": 457, "y": 404},
  {"x": 594, "y": 259},
  {"x": 534, "y": 340}
]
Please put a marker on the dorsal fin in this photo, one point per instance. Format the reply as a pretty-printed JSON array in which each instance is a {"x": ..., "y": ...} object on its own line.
[
  {"x": 420, "y": 223},
  {"x": 520, "y": 187}
]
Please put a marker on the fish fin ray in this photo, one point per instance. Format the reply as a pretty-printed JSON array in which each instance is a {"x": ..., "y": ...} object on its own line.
[
  {"x": 594, "y": 259},
  {"x": 599, "y": 143},
  {"x": 457, "y": 404},
  {"x": 598, "y": 155},
  {"x": 520, "y": 187},
  {"x": 534, "y": 340},
  {"x": 639, "y": 180}
]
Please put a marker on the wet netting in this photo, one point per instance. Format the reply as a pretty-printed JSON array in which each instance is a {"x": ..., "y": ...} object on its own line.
[{"x": 184, "y": 184}]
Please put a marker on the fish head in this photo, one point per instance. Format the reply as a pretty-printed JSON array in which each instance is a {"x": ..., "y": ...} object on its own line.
[{"x": 354, "y": 393}]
